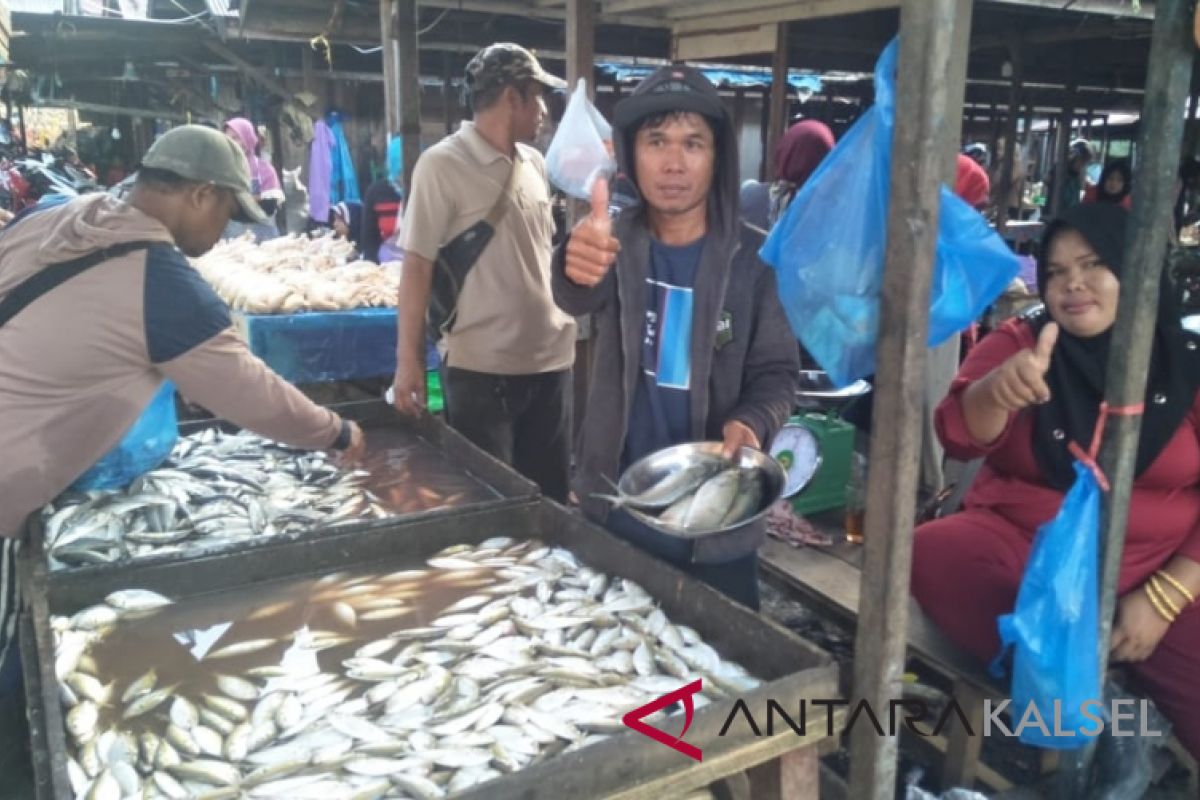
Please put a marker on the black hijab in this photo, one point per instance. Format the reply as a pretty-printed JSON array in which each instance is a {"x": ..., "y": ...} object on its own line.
[
  {"x": 1077, "y": 368},
  {"x": 1103, "y": 195}
]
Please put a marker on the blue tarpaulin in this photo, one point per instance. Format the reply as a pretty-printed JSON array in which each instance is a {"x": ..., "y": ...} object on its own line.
[
  {"x": 748, "y": 78},
  {"x": 323, "y": 346}
]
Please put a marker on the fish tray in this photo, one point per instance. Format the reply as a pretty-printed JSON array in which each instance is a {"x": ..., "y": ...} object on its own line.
[
  {"x": 625, "y": 765},
  {"x": 504, "y": 484}
]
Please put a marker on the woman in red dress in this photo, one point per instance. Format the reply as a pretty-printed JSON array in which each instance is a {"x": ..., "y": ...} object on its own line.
[{"x": 1023, "y": 394}]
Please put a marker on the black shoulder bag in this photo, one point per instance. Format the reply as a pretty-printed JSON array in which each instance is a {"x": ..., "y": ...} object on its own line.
[{"x": 455, "y": 260}]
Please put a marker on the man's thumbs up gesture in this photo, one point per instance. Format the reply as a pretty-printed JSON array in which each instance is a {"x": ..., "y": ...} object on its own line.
[{"x": 592, "y": 249}]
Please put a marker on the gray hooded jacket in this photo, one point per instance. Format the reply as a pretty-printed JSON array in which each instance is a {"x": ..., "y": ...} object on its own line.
[{"x": 750, "y": 370}]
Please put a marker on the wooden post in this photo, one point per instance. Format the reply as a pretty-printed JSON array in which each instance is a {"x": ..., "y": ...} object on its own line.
[
  {"x": 739, "y": 112},
  {"x": 1160, "y": 134},
  {"x": 777, "y": 115},
  {"x": 1009, "y": 159},
  {"x": 391, "y": 69},
  {"x": 581, "y": 44},
  {"x": 408, "y": 83},
  {"x": 1061, "y": 146},
  {"x": 920, "y": 162},
  {"x": 449, "y": 96}
]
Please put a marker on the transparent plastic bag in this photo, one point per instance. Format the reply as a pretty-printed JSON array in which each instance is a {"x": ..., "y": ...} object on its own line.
[
  {"x": 828, "y": 248},
  {"x": 578, "y": 155},
  {"x": 145, "y": 445}
]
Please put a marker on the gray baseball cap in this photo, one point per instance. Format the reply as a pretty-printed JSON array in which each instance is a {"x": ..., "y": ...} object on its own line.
[{"x": 207, "y": 156}]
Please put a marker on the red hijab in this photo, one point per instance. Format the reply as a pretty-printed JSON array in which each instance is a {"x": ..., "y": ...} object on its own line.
[
  {"x": 801, "y": 150},
  {"x": 972, "y": 183}
]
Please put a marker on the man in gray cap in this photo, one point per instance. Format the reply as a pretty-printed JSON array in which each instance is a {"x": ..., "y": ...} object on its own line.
[
  {"x": 509, "y": 350},
  {"x": 98, "y": 305}
]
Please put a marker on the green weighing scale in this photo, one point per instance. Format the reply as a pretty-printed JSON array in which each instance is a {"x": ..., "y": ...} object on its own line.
[{"x": 816, "y": 446}]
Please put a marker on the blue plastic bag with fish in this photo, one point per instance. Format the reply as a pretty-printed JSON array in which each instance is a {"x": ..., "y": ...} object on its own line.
[
  {"x": 1054, "y": 630},
  {"x": 828, "y": 248},
  {"x": 145, "y": 445}
]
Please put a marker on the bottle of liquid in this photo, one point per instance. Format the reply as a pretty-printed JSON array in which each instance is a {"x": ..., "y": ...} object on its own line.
[{"x": 856, "y": 498}]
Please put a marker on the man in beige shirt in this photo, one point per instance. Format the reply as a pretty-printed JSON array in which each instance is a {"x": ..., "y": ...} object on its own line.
[{"x": 510, "y": 351}]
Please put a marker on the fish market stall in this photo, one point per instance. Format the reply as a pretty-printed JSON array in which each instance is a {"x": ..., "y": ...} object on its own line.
[
  {"x": 485, "y": 654},
  {"x": 321, "y": 346},
  {"x": 307, "y": 308},
  {"x": 224, "y": 491}
]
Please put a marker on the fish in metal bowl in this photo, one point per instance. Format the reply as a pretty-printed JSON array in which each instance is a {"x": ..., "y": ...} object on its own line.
[{"x": 693, "y": 490}]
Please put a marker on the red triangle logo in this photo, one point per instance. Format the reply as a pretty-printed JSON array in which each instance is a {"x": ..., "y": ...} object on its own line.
[{"x": 684, "y": 694}]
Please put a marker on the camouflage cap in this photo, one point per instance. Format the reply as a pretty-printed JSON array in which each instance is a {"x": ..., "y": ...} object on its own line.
[{"x": 507, "y": 64}]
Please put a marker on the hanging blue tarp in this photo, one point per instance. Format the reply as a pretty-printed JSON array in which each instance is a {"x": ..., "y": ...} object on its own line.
[{"x": 747, "y": 78}]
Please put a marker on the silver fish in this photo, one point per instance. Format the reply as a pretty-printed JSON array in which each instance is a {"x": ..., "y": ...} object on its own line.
[
  {"x": 712, "y": 501},
  {"x": 672, "y": 486}
]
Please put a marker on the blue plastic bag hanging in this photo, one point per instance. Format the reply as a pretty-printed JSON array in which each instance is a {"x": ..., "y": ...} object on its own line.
[
  {"x": 145, "y": 445},
  {"x": 1054, "y": 630},
  {"x": 828, "y": 248}
]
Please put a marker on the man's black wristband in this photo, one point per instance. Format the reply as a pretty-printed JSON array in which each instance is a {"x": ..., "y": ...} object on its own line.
[{"x": 343, "y": 438}]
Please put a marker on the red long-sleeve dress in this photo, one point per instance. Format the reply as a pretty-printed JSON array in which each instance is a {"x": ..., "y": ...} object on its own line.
[{"x": 967, "y": 567}]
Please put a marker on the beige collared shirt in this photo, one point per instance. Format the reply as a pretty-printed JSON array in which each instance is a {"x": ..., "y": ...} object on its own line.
[{"x": 507, "y": 321}]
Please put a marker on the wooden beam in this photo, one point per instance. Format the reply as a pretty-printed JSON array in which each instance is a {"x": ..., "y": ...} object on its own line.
[
  {"x": 120, "y": 111},
  {"x": 777, "y": 115},
  {"x": 723, "y": 44},
  {"x": 390, "y": 55},
  {"x": 409, "y": 80},
  {"x": 623, "y": 6},
  {"x": 722, "y": 7},
  {"x": 919, "y": 164},
  {"x": 1108, "y": 8},
  {"x": 581, "y": 44},
  {"x": 252, "y": 72},
  {"x": 815, "y": 9}
]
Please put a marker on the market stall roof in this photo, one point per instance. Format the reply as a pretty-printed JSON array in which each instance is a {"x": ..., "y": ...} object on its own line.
[{"x": 1101, "y": 46}]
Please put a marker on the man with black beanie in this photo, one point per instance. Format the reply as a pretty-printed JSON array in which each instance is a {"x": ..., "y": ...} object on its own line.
[{"x": 691, "y": 340}]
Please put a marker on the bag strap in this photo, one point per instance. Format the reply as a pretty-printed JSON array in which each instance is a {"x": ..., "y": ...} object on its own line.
[
  {"x": 501, "y": 205},
  {"x": 49, "y": 277}
]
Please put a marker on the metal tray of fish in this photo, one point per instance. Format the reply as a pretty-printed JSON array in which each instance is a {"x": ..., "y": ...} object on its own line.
[
  {"x": 565, "y": 630},
  {"x": 223, "y": 490}
]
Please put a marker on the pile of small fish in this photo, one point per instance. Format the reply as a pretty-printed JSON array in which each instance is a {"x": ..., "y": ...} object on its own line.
[
  {"x": 706, "y": 495},
  {"x": 537, "y": 655},
  {"x": 216, "y": 488}
]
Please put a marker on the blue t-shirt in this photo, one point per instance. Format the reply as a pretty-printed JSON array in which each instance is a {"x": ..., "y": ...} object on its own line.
[{"x": 661, "y": 414}]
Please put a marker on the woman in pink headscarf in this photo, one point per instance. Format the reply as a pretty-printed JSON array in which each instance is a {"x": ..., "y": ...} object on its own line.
[
  {"x": 264, "y": 180},
  {"x": 797, "y": 156}
]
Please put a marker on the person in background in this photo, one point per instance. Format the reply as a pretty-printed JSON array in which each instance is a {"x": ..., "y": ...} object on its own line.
[
  {"x": 692, "y": 341},
  {"x": 383, "y": 206},
  {"x": 1187, "y": 200},
  {"x": 971, "y": 183},
  {"x": 510, "y": 353},
  {"x": 1115, "y": 186},
  {"x": 977, "y": 152},
  {"x": 84, "y": 358},
  {"x": 1023, "y": 395},
  {"x": 797, "y": 156},
  {"x": 264, "y": 181},
  {"x": 1079, "y": 156}
]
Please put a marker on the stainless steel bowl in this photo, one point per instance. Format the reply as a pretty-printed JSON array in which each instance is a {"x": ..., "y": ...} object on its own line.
[
  {"x": 654, "y": 467},
  {"x": 815, "y": 387}
]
